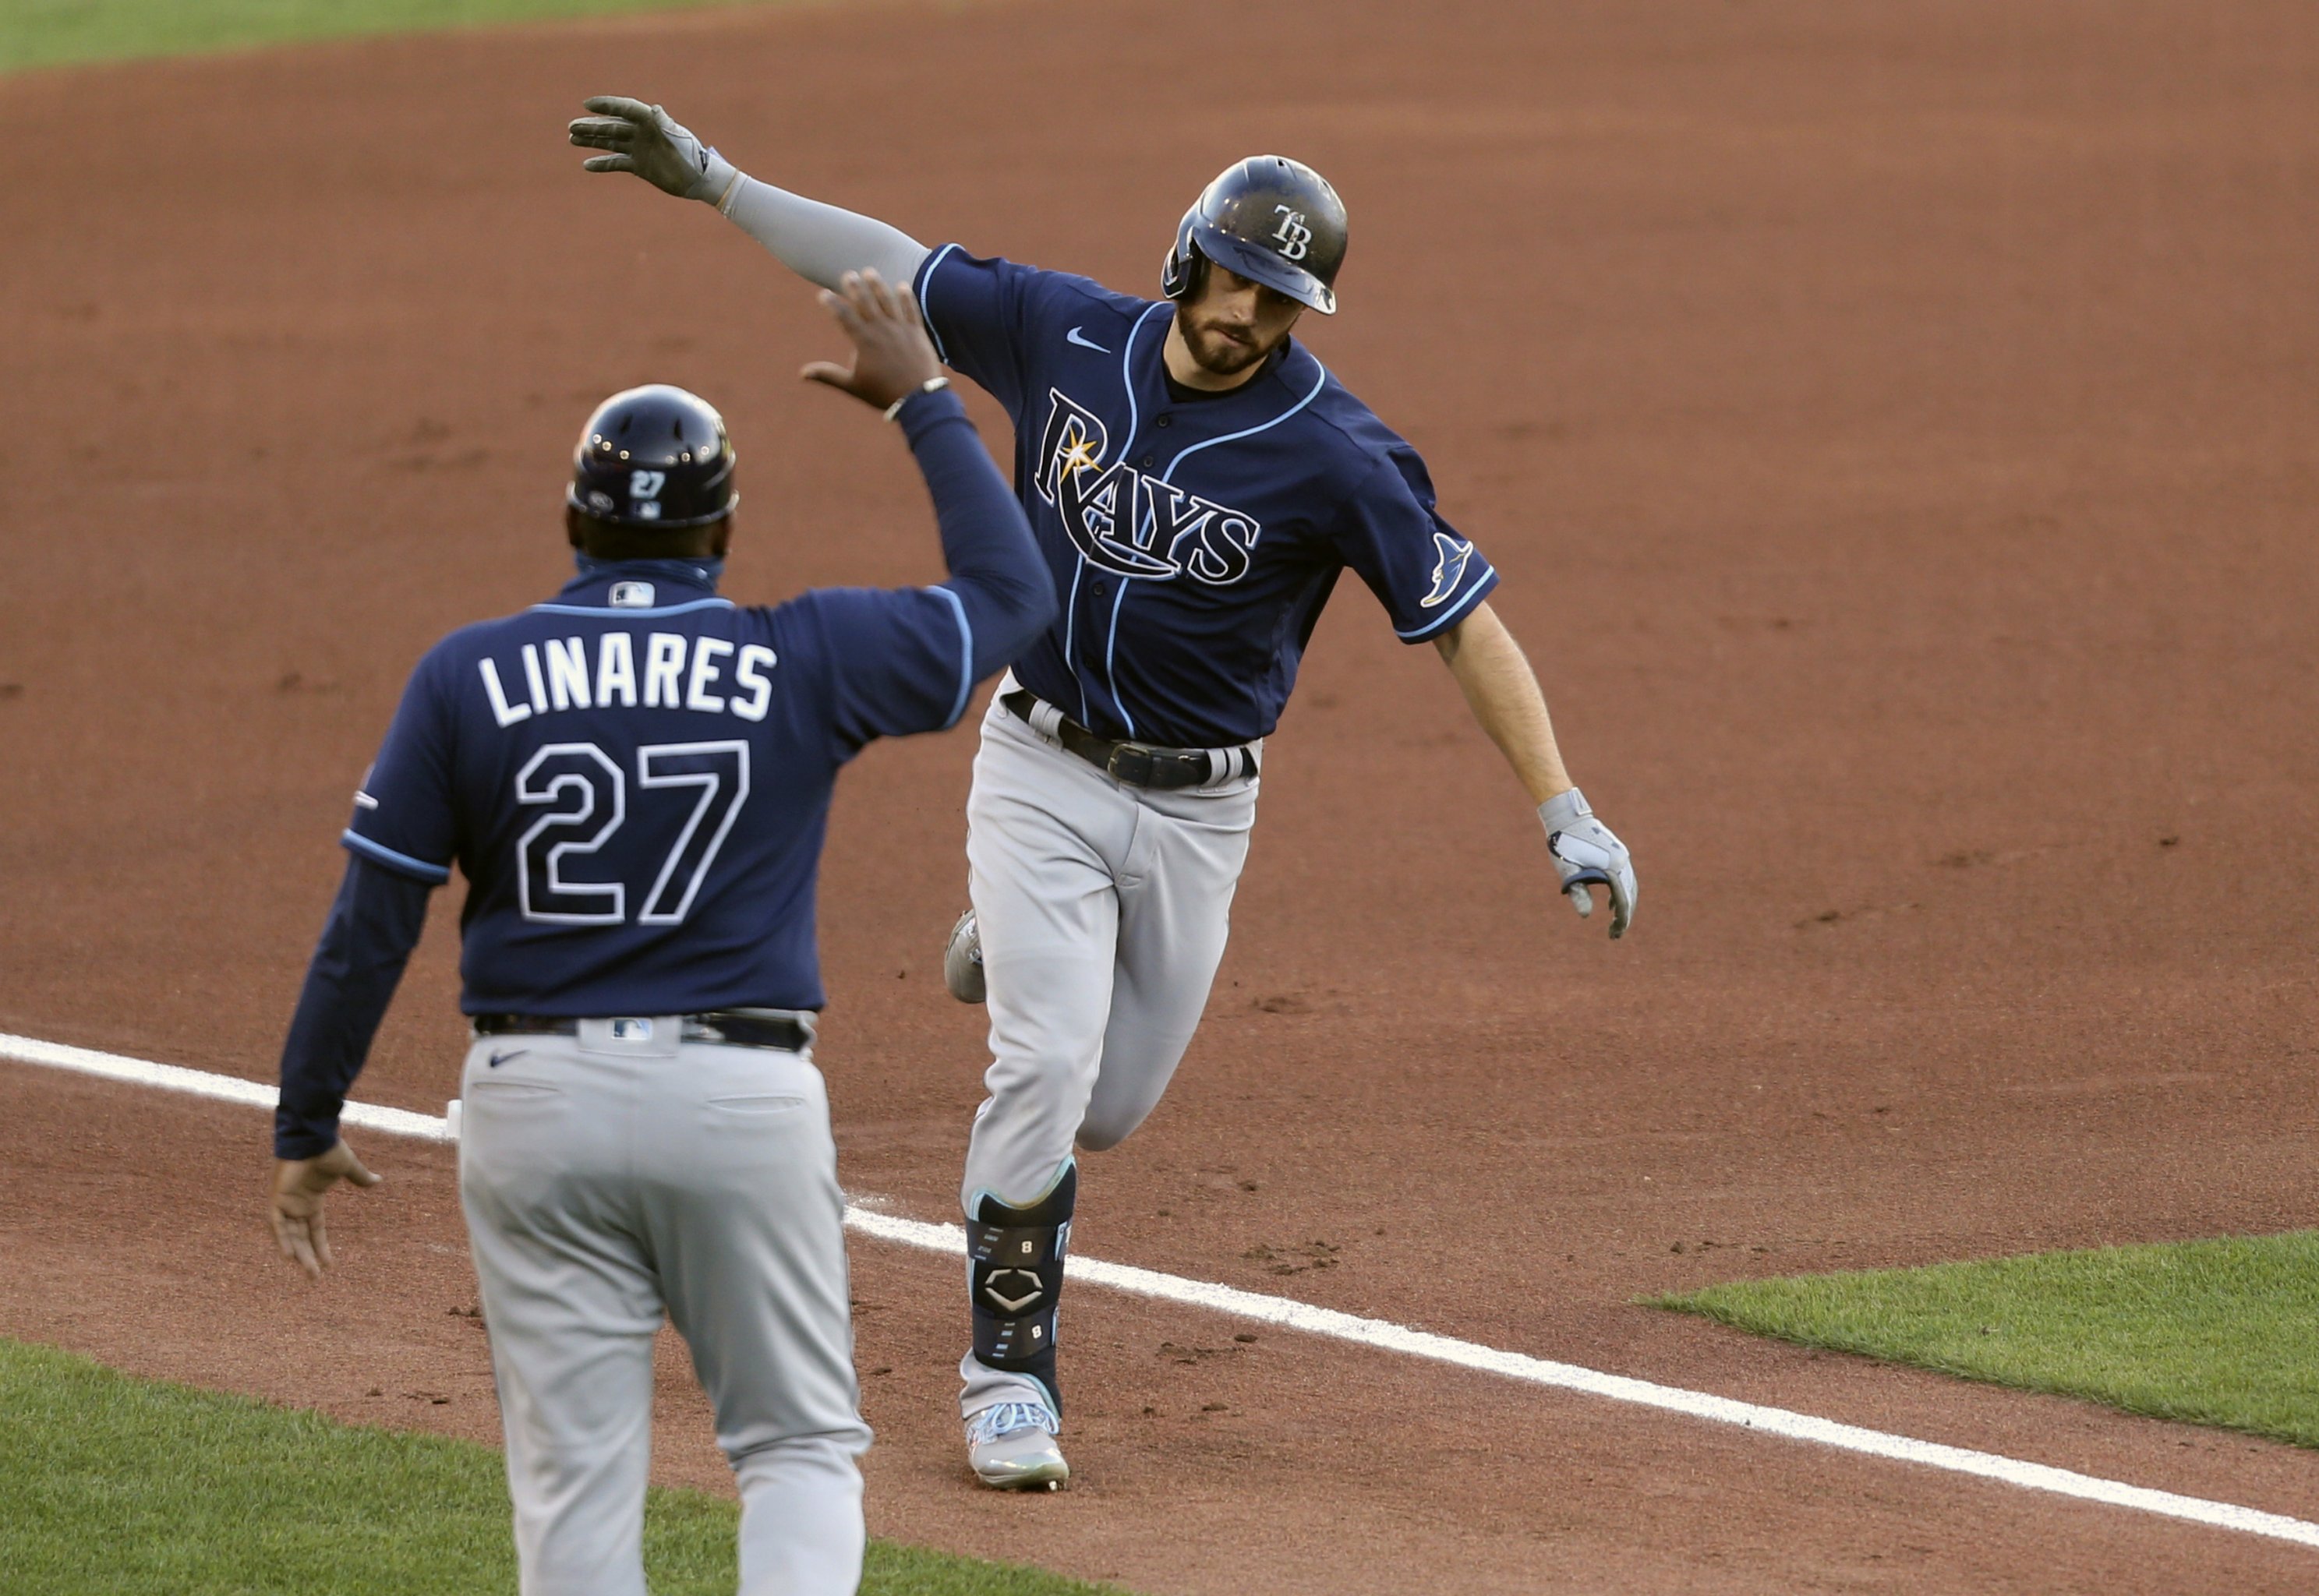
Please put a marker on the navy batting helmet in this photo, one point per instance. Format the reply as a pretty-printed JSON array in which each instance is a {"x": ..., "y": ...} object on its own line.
[
  {"x": 1271, "y": 219},
  {"x": 654, "y": 457}
]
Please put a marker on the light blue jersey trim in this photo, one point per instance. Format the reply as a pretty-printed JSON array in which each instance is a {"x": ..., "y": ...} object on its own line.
[
  {"x": 1439, "y": 621},
  {"x": 1321, "y": 383},
  {"x": 1127, "y": 381},
  {"x": 435, "y": 875},
  {"x": 927, "y": 281},
  {"x": 965, "y": 654},
  {"x": 1127, "y": 448},
  {"x": 1110, "y": 644},
  {"x": 1070, "y": 628},
  {"x": 606, "y": 609}
]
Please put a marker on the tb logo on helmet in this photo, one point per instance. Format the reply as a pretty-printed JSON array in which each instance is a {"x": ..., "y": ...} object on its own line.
[
  {"x": 1294, "y": 237},
  {"x": 1268, "y": 218}
]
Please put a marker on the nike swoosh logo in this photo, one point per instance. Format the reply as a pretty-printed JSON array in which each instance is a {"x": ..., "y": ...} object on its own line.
[
  {"x": 1072, "y": 337},
  {"x": 496, "y": 1060}
]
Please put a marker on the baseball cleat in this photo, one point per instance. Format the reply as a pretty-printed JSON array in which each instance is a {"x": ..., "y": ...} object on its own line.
[
  {"x": 1013, "y": 1447},
  {"x": 962, "y": 962}
]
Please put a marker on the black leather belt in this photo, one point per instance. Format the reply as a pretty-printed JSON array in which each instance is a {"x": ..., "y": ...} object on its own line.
[
  {"x": 733, "y": 1027},
  {"x": 1138, "y": 764}
]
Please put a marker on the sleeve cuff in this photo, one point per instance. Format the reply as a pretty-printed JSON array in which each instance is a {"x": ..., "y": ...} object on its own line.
[
  {"x": 1455, "y": 612},
  {"x": 919, "y": 285},
  {"x": 302, "y": 1138},
  {"x": 922, "y": 412},
  {"x": 965, "y": 655}
]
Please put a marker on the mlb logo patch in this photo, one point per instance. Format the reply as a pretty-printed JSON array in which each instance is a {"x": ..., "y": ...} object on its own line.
[
  {"x": 632, "y": 595},
  {"x": 631, "y": 1030}
]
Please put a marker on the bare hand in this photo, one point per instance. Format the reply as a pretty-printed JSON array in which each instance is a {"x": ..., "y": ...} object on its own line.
[
  {"x": 298, "y": 1186},
  {"x": 644, "y": 139},
  {"x": 893, "y": 357}
]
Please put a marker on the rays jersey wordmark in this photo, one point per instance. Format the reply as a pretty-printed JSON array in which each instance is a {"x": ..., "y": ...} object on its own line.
[
  {"x": 1194, "y": 537},
  {"x": 1129, "y": 523}
]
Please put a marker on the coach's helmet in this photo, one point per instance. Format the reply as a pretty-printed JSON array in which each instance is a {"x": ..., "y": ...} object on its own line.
[
  {"x": 1273, "y": 221},
  {"x": 654, "y": 457}
]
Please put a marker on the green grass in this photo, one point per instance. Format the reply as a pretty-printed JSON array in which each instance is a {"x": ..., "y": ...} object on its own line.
[
  {"x": 2215, "y": 1333},
  {"x": 111, "y": 1486},
  {"x": 50, "y": 33}
]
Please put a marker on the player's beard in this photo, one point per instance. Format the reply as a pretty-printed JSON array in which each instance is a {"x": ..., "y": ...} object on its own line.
[{"x": 1215, "y": 353}]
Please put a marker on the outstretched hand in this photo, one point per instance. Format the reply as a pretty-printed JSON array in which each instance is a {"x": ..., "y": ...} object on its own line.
[
  {"x": 644, "y": 139},
  {"x": 893, "y": 357},
  {"x": 1587, "y": 854},
  {"x": 299, "y": 1186}
]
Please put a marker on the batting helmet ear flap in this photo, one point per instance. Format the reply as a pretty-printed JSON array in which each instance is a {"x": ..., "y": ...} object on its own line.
[{"x": 1185, "y": 268}]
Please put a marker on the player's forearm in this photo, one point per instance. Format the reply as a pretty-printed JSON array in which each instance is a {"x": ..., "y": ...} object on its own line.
[
  {"x": 373, "y": 926},
  {"x": 1502, "y": 692},
  {"x": 820, "y": 243},
  {"x": 995, "y": 568}
]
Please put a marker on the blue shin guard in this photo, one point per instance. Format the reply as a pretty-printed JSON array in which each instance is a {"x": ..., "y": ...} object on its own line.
[{"x": 1014, "y": 1278}]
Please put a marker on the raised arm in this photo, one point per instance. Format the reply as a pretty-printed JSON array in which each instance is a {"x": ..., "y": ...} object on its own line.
[
  {"x": 996, "y": 569},
  {"x": 1003, "y": 594},
  {"x": 1502, "y": 692},
  {"x": 820, "y": 243}
]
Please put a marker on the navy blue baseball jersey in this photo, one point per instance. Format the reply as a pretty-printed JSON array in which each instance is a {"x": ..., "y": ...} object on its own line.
[
  {"x": 1192, "y": 543},
  {"x": 651, "y": 765},
  {"x": 635, "y": 779}
]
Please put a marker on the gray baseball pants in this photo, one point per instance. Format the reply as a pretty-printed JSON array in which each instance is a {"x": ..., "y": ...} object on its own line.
[
  {"x": 607, "y": 1181},
  {"x": 1102, "y": 910}
]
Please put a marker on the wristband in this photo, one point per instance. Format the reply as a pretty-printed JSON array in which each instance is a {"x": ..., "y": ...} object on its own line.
[
  {"x": 718, "y": 179},
  {"x": 1564, "y": 809},
  {"x": 931, "y": 385}
]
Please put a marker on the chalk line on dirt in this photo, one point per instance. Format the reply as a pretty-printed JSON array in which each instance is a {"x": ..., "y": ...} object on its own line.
[{"x": 1290, "y": 1314}]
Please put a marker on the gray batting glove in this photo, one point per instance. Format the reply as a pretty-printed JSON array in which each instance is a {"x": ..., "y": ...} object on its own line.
[
  {"x": 1587, "y": 855},
  {"x": 644, "y": 140}
]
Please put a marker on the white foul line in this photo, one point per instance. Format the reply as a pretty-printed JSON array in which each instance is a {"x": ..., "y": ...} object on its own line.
[{"x": 1290, "y": 1314}]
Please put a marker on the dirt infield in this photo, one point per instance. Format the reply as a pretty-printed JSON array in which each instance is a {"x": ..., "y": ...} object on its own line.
[{"x": 1898, "y": 428}]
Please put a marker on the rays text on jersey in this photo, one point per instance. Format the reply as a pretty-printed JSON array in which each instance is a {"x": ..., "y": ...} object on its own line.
[
  {"x": 1131, "y": 524},
  {"x": 566, "y": 673}
]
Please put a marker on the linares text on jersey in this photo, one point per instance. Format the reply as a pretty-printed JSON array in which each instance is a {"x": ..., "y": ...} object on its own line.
[{"x": 556, "y": 675}]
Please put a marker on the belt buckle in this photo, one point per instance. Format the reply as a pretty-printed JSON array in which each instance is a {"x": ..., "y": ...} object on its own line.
[{"x": 1131, "y": 762}]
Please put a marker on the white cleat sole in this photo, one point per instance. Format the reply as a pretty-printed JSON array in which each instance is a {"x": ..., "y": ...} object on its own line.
[
  {"x": 1048, "y": 1476},
  {"x": 1022, "y": 1459}
]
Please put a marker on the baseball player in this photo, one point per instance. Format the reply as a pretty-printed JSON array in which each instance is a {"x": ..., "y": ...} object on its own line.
[
  {"x": 1197, "y": 483},
  {"x": 634, "y": 778}
]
